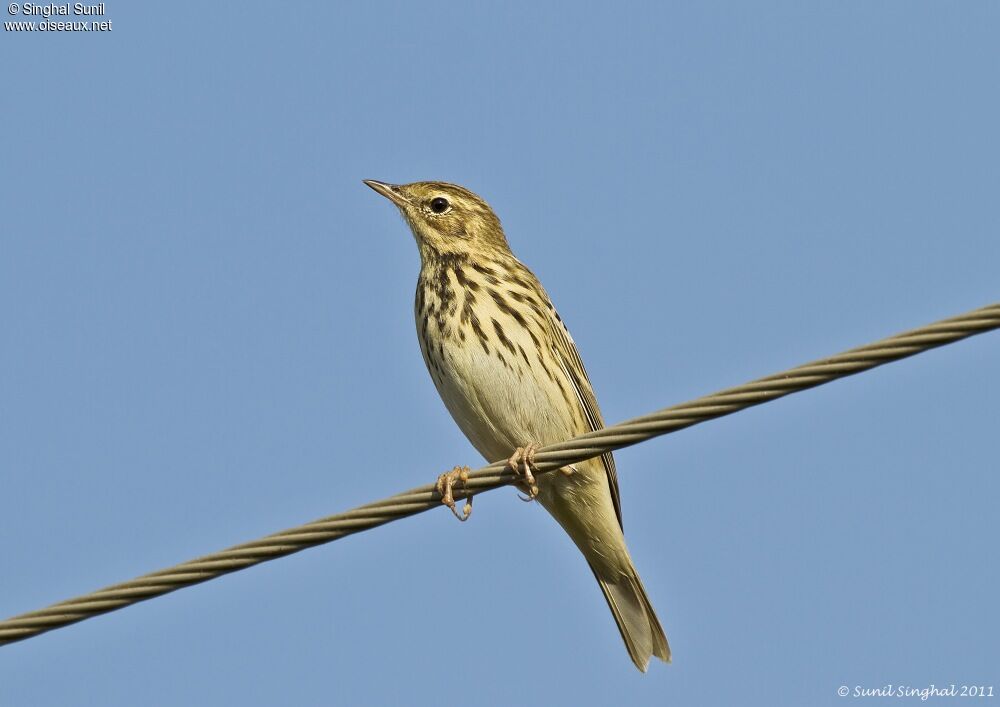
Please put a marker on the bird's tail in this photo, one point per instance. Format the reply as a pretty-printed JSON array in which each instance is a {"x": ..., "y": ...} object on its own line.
[{"x": 635, "y": 617}]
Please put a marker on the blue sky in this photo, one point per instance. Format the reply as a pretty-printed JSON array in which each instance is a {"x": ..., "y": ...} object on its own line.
[{"x": 208, "y": 336}]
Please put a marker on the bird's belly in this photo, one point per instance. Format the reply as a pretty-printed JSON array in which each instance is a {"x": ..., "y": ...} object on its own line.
[
  {"x": 498, "y": 405},
  {"x": 500, "y": 408}
]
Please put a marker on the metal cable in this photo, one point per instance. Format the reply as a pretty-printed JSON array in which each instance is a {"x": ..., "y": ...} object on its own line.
[{"x": 495, "y": 475}]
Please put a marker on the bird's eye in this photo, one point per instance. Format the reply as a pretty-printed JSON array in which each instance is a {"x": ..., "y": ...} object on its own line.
[{"x": 439, "y": 204}]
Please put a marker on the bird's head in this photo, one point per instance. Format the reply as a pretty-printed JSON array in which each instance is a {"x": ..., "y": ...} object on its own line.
[{"x": 446, "y": 219}]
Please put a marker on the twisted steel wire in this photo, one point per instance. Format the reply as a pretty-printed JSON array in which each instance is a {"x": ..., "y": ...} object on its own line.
[{"x": 548, "y": 458}]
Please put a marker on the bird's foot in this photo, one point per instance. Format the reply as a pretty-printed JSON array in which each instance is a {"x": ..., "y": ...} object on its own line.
[
  {"x": 521, "y": 462},
  {"x": 446, "y": 482}
]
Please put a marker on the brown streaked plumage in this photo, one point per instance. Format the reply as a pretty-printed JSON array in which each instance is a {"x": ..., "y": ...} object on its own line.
[{"x": 510, "y": 375}]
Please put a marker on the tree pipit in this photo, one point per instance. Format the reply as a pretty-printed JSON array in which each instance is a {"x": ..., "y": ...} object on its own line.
[{"x": 509, "y": 373}]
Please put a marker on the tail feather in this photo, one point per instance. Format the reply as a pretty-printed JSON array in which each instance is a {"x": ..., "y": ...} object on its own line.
[{"x": 637, "y": 622}]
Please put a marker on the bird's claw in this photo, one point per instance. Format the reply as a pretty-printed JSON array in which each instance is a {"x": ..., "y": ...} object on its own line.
[
  {"x": 521, "y": 462},
  {"x": 445, "y": 484}
]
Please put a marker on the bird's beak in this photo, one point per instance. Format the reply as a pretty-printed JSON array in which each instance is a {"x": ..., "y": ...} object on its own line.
[{"x": 389, "y": 191}]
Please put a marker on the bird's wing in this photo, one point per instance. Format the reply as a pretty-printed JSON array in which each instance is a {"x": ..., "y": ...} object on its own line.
[{"x": 569, "y": 358}]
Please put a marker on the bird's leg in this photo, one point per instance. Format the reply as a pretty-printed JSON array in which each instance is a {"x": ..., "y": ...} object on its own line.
[
  {"x": 445, "y": 483},
  {"x": 521, "y": 462}
]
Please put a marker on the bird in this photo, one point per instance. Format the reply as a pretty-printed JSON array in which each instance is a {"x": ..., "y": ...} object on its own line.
[{"x": 508, "y": 371}]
